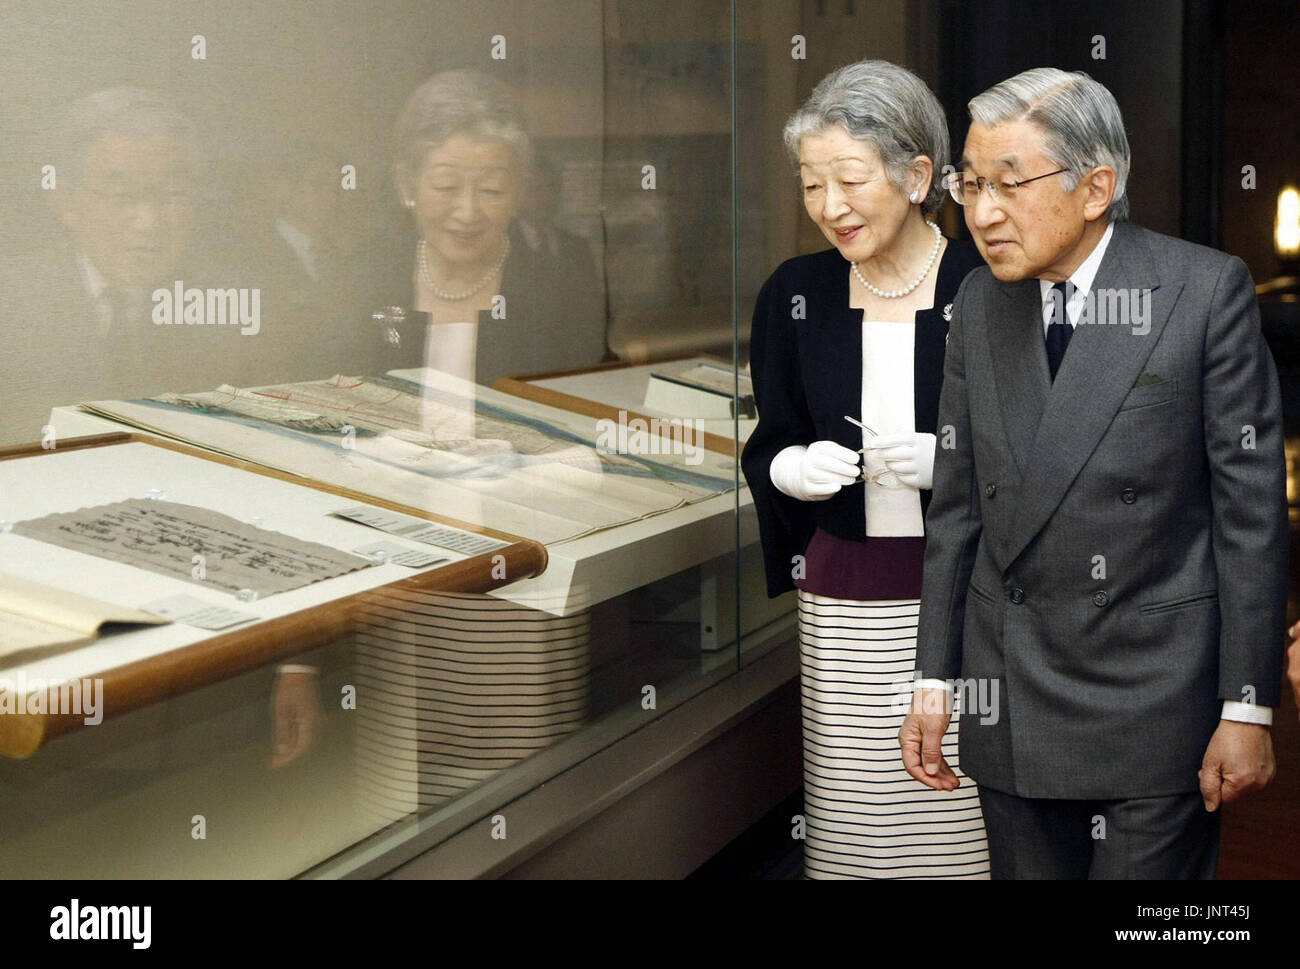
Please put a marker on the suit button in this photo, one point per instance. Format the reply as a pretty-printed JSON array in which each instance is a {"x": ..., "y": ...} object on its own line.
[
  {"x": 1100, "y": 599},
  {"x": 990, "y": 490},
  {"x": 1128, "y": 496},
  {"x": 1017, "y": 595}
]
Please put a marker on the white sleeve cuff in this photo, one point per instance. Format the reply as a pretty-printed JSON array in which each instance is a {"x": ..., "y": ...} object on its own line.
[
  {"x": 296, "y": 668},
  {"x": 1246, "y": 713},
  {"x": 934, "y": 685}
]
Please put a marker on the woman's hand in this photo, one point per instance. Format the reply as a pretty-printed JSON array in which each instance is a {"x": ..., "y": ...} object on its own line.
[
  {"x": 815, "y": 472},
  {"x": 909, "y": 456}
]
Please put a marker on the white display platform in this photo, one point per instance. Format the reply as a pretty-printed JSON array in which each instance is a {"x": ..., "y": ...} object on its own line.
[
  {"x": 64, "y": 481},
  {"x": 597, "y": 567}
]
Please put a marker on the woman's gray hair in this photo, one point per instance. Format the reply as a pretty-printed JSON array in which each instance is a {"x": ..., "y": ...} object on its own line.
[
  {"x": 1081, "y": 122},
  {"x": 460, "y": 102},
  {"x": 885, "y": 105}
]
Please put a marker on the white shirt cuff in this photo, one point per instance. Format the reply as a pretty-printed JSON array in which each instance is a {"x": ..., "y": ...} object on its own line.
[
  {"x": 934, "y": 685},
  {"x": 1246, "y": 713},
  {"x": 296, "y": 668}
]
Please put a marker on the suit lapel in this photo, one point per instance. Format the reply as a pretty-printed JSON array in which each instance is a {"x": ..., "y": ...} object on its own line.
[
  {"x": 1099, "y": 369},
  {"x": 1020, "y": 364}
]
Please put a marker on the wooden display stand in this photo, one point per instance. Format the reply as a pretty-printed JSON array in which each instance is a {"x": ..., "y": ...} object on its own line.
[{"x": 219, "y": 656}]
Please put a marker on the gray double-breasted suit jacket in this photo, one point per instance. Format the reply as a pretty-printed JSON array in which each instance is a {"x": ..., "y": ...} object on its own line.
[{"x": 1107, "y": 553}]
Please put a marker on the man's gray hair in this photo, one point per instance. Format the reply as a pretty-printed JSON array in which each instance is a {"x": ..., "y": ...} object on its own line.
[
  {"x": 885, "y": 105},
  {"x": 1081, "y": 122},
  {"x": 454, "y": 103},
  {"x": 133, "y": 112}
]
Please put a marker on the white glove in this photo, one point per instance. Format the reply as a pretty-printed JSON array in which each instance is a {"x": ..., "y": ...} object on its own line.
[
  {"x": 909, "y": 456},
  {"x": 815, "y": 472}
]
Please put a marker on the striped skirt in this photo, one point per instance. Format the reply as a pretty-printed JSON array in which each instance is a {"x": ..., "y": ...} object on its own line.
[
  {"x": 453, "y": 688},
  {"x": 865, "y": 816}
]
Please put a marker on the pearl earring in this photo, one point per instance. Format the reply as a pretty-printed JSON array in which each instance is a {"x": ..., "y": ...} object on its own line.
[{"x": 914, "y": 196}]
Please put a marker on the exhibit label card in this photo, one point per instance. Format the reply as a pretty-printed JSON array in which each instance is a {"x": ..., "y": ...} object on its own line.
[
  {"x": 391, "y": 552},
  {"x": 193, "y": 611},
  {"x": 419, "y": 530}
]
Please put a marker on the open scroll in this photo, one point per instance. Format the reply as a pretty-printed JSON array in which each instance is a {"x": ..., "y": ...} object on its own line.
[
  {"x": 448, "y": 447},
  {"x": 39, "y": 618}
]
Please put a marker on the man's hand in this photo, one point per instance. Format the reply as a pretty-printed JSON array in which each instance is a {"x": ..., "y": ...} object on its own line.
[
  {"x": 1293, "y": 661},
  {"x": 296, "y": 716},
  {"x": 921, "y": 740},
  {"x": 1238, "y": 760}
]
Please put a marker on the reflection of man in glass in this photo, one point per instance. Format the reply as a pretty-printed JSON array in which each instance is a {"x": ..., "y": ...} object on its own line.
[
  {"x": 124, "y": 195},
  {"x": 495, "y": 305},
  {"x": 77, "y": 300}
]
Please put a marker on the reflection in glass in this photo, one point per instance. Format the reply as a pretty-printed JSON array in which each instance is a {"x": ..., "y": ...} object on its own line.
[{"x": 494, "y": 295}]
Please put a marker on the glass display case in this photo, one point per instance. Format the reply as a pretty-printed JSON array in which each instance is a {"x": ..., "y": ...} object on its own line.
[{"x": 391, "y": 359}]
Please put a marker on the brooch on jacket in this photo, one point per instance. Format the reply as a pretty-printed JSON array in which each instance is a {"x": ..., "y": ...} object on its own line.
[{"x": 947, "y": 313}]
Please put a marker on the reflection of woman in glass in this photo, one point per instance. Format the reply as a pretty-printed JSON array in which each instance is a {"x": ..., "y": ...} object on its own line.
[
  {"x": 859, "y": 330},
  {"x": 455, "y": 687},
  {"x": 493, "y": 304}
]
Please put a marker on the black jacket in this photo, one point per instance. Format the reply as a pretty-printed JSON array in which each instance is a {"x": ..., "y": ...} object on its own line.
[
  {"x": 807, "y": 375},
  {"x": 555, "y": 312}
]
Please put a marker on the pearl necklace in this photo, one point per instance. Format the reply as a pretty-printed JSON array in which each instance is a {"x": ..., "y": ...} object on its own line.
[
  {"x": 423, "y": 259},
  {"x": 899, "y": 293}
]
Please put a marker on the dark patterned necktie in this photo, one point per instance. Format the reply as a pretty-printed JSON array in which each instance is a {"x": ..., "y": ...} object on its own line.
[{"x": 1059, "y": 330}]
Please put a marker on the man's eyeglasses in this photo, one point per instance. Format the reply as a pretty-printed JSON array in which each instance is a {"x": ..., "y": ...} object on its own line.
[{"x": 965, "y": 189}]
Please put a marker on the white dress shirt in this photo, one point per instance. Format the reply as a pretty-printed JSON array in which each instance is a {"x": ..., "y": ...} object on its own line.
[
  {"x": 448, "y": 347},
  {"x": 97, "y": 289},
  {"x": 300, "y": 243},
  {"x": 1081, "y": 279}
]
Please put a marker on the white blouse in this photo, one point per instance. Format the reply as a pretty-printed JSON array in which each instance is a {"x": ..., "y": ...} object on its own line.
[
  {"x": 448, "y": 347},
  {"x": 888, "y": 407}
]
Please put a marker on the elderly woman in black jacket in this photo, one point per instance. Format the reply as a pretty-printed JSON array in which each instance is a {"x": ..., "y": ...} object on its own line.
[
  {"x": 847, "y": 357},
  {"x": 488, "y": 295}
]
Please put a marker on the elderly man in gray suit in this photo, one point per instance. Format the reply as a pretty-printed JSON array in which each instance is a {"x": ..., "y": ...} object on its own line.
[{"x": 1106, "y": 555}]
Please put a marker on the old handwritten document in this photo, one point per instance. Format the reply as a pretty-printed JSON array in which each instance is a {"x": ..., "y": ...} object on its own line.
[{"x": 195, "y": 544}]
